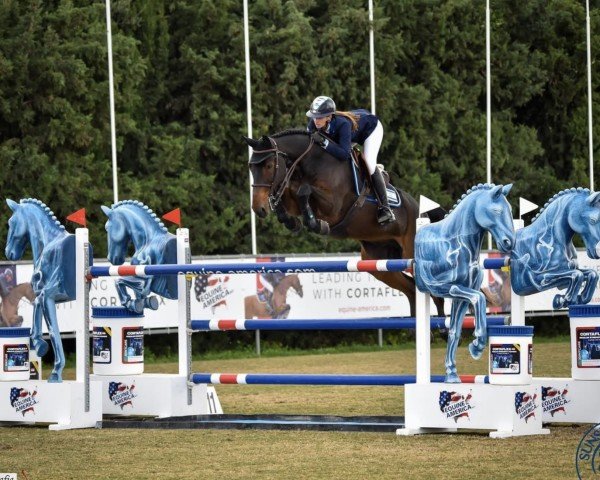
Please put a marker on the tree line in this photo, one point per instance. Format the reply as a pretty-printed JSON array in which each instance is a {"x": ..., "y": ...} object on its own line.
[{"x": 181, "y": 101}]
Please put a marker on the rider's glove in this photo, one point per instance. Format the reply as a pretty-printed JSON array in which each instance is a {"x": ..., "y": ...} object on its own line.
[{"x": 319, "y": 139}]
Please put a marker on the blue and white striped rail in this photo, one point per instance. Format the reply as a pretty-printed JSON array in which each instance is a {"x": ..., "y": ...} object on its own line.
[
  {"x": 334, "y": 324},
  {"x": 354, "y": 265},
  {"x": 496, "y": 263},
  {"x": 318, "y": 379}
]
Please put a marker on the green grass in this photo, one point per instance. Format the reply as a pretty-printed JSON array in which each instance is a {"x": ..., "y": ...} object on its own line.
[{"x": 243, "y": 454}]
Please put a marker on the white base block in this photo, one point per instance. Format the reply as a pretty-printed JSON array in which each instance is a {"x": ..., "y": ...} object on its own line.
[
  {"x": 565, "y": 400},
  {"x": 60, "y": 404},
  {"x": 448, "y": 407},
  {"x": 155, "y": 394}
]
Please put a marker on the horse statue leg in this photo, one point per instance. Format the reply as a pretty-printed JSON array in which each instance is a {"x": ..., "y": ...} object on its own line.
[
  {"x": 591, "y": 280},
  {"x": 457, "y": 314},
  {"x": 310, "y": 221},
  {"x": 141, "y": 289},
  {"x": 49, "y": 307},
  {"x": 37, "y": 342},
  {"x": 477, "y": 299},
  {"x": 575, "y": 280}
]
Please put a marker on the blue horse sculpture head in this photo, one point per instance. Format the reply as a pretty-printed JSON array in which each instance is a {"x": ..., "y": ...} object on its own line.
[
  {"x": 447, "y": 260},
  {"x": 132, "y": 222},
  {"x": 53, "y": 280},
  {"x": 544, "y": 256}
]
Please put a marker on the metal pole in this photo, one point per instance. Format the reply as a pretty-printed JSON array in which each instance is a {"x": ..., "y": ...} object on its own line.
[
  {"x": 249, "y": 116},
  {"x": 488, "y": 96},
  {"x": 111, "y": 96},
  {"x": 372, "y": 56},
  {"x": 589, "y": 79}
]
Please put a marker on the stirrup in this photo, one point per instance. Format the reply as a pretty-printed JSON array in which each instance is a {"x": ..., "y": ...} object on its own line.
[{"x": 385, "y": 215}]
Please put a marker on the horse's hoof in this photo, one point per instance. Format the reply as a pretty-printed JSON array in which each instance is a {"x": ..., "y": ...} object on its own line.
[
  {"x": 151, "y": 303},
  {"x": 323, "y": 228},
  {"x": 138, "y": 305},
  {"x": 294, "y": 225},
  {"x": 452, "y": 378},
  {"x": 55, "y": 377},
  {"x": 559, "y": 301},
  {"x": 41, "y": 347},
  {"x": 475, "y": 350}
]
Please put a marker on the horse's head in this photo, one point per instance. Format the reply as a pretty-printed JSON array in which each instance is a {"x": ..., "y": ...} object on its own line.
[
  {"x": 18, "y": 233},
  {"x": 585, "y": 220},
  {"x": 296, "y": 285},
  {"x": 117, "y": 236},
  {"x": 494, "y": 214},
  {"x": 272, "y": 162}
]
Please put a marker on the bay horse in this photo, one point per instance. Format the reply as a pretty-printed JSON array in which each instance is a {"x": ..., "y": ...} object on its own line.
[
  {"x": 254, "y": 308},
  {"x": 296, "y": 178},
  {"x": 9, "y": 311},
  {"x": 132, "y": 222},
  {"x": 53, "y": 280},
  {"x": 544, "y": 256},
  {"x": 447, "y": 261}
]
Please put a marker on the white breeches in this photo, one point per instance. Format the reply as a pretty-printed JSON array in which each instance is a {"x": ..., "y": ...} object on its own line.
[{"x": 371, "y": 147}]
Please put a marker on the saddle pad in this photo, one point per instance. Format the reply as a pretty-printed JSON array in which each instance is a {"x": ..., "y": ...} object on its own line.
[{"x": 359, "y": 181}]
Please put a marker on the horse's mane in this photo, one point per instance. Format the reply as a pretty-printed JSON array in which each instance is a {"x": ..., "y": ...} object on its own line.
[
  {"x": 143, "y": 208},
  {"x": 44, "y": 208},
  {"x": 481, "y": 186},
  {"x": 265, "y": 142},
  {"x": 562, "y": 193}
]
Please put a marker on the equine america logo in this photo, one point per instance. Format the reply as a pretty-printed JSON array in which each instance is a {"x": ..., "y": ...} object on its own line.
[
  {"x": 121, "y": 394},
  {"x": 455, "y": 405},
  {"x": 22, "y": 400},
  {"x": 525, "y": 405},
  {"x": 554, "y": 400},
  {"x": 212, "y": 290}
]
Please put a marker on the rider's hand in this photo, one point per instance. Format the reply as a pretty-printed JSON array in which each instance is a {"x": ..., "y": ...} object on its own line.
[{"x": 319, "y": 139}]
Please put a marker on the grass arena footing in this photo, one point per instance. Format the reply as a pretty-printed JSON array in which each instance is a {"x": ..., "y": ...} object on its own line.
[{"x": 261, "y": 422}]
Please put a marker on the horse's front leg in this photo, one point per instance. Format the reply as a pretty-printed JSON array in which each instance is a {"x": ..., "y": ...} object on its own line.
[
  {"x": 477, "y": 299},
  {"x": 457, "y": 314},
  {"x": 49, "y": 307},
  {"x": 291, "y": 223},
  {"x": 121, "y": 285},
  {"x": 591, "y": 280},
  {"x": 310, "y": 221},
  {"x": 141, "y": 290},
  {"x": 574, "y": 279},
  {"x": 37, "y": 342},
  {"x": 144, "y": 298}
]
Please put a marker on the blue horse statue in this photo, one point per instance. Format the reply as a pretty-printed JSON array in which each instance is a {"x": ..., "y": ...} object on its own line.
[
  {"x": 53, "y": 280},
  {"x": 447, "y": 260},
  {"x": 130, "y": 221},
  {"x": 544, "y": 256}
]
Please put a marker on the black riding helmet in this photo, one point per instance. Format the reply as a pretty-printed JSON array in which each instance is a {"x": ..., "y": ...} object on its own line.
[{"x": 321, "y": 107}]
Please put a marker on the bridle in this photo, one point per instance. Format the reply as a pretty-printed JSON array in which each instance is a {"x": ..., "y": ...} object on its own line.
[{"x": 281, "y": 176}]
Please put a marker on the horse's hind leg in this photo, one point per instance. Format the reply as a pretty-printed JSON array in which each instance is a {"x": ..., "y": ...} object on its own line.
[
  {"x": 52, "y": 322},
  {"x": 457, "y": 314}
]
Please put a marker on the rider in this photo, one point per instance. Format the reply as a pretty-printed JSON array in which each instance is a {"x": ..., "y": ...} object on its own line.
[{"x": 345, "y": 128}]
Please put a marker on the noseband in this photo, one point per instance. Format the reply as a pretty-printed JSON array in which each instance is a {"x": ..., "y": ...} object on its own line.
[{"x": 282, "y": 176}]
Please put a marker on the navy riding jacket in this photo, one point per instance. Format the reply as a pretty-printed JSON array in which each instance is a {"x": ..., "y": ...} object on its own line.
[{"x": 340, "y": 131}]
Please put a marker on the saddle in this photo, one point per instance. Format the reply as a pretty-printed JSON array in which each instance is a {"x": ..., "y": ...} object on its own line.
[{"x": 362, "y": 180}]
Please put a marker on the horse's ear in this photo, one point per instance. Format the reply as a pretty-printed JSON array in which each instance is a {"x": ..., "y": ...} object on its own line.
[
  {"x": 496, "y": 192},
  {"x": 593, "y": 199},
  {"x": 107, "y": 211},
  {"x": 506, "y": 189},
  {"x": 251, "y": 142},
  {"x": 12, "y": 204}
]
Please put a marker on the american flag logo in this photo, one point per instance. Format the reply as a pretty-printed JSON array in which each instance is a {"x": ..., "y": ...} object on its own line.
[
  {"x": 455, "y": 405},
  {"x": 121, "y": 394},
  {"x": 211, "y": 290},
  {"x": 22, "y": 400},
  {"x": 554, "y": 400},
  {"x": 525, "y": 405}
]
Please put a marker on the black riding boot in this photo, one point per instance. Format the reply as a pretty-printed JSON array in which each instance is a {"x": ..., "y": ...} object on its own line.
[{"x": 384, "y": 212}]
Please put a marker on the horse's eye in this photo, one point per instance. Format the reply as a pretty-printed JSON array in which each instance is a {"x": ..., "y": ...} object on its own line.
[{"x": 497, "y": 211}]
